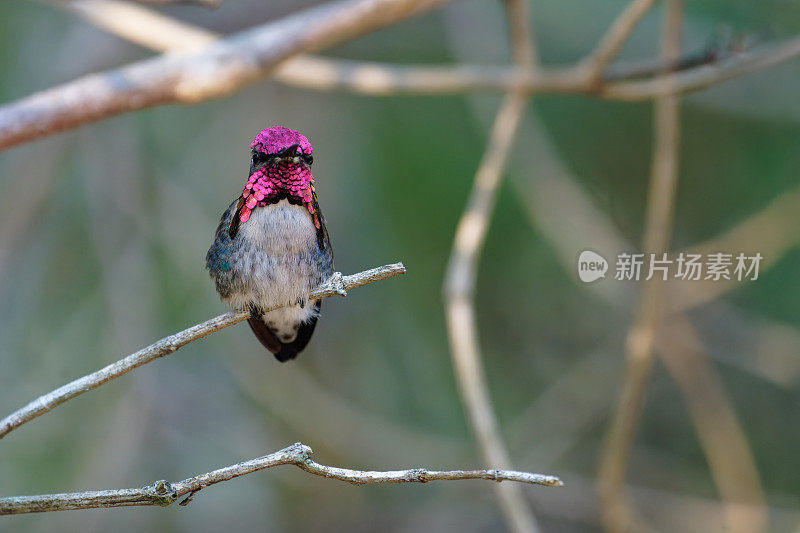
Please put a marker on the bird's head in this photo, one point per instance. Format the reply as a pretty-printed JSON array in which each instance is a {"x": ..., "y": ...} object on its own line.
[{"x": 279, "y": 169}]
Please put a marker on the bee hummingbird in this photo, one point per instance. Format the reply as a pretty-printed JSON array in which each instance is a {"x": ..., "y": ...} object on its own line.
[{"x": 271, "y": 247}]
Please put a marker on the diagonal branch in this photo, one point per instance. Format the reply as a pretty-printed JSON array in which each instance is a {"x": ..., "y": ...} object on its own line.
[
  {"x": 617, "y": 514},
  {"x": 190, "y": 77},
  {"x": 461, "y": 274},
  {"x": 336, "y": 284},
  {"x": 163, "y": 493},
  {"x": 211, "y": 4},
  {"x": 615, "y": 38},
  {"x": 140, "y": 25},
  {"x": 730, "y": 458}
]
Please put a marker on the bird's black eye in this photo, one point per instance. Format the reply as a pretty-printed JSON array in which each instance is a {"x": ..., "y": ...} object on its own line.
[
  {"x": 309, "y": 159},
  {"x": 258, "y": 157}
]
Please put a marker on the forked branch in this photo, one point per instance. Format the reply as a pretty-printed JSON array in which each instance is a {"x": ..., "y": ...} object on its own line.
[{"x": 163, "y": 493}]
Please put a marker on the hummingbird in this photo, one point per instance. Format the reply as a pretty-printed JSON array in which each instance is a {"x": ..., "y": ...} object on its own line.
[{"x": 271, "y": 246}]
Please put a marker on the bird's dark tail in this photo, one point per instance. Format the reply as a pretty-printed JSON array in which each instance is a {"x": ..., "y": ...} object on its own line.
[{"x": 283, "y": 351}]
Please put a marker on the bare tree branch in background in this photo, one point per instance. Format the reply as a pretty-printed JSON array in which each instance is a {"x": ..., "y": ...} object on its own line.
[
  {"x": 210, "y": 4},
  {"x": 385, "y": 79},
  {"x": 615, "y": 38},
  {"x": 163, "y": 493},
  {"x": 158, "y": 32},
  {"x": 220, "y": 68},
  {"x": 773, "y": 230},
  {"x": 461, "y": 275},
  {"x": 336, "y": 284},
  {"x": 732, "y": 466},
  {"x": 140, "y": 25},
  {"x": 617, "y": 515},
  {"x": 724, "y": 443}
]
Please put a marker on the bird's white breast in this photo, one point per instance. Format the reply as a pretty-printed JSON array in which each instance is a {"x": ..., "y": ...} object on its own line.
[
  {"x": 278, "y": 271},
  {"x": 281, "y": 229}
]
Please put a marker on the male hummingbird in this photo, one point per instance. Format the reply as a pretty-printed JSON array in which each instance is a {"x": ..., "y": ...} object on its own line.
[{"x": 271, "y": 247}]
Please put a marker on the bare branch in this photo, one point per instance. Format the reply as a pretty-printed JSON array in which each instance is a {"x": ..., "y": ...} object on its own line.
[
  {"x": 384, "y": 79},
  {"x": 221, "y": 68},
  {"x": 140, "y": 25},
  {"x": 217, "y": 70},
  {"x": 163, "y": 493},
  {"x": 730, "y": 459},
  {"x": 336, "y": 284},
  {"x": 702, "y": 77},
  {"x": 780, "y": 220},
  {"x": 158, "y": 32},
  {"x": 617, "y": 514},
  {"x": 211, "y": 4},
  {"x": 614, "y": 39},
  {"x": 461, "y": 274},
  {"x": 524, "y": 50}
]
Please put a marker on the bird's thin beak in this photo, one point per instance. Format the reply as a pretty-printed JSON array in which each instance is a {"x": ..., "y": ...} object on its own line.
[{"x": 292, "y": 150}]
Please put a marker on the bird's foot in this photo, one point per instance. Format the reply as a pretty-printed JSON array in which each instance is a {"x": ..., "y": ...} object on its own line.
[{"x": 337, "y": 284}]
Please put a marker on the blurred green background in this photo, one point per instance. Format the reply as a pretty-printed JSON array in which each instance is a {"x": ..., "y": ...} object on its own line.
[{"x": 103, "y": 233}]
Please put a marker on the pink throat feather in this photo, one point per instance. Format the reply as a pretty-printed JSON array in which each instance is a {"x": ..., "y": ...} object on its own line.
[{"x": 269, "y": 182}]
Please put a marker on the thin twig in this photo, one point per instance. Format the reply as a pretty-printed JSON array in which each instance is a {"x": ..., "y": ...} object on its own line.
[
  {"x": 617, "y": 515},
  {"x": 386, "y": 79},
  {"x": 773, "y": 231},
  {"x": 163, "y": 493},
  {"x": 615, "y": 38},
  {"x": 524, "y": 50},
  {"x": 647, "y": 68},
  {"x": 210, "y": 4},
  {"x": 337, "y": 284},
  {"x": 702, "y": 77},
  {"x": 461, "y": 274},
  {"x": 140, "y": 25},
  {"x": 722, "y": 438}
]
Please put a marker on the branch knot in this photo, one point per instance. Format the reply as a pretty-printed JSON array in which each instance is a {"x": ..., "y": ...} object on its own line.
[
  {"x": 418, "y": 474},
  {"x": 162, "y": 492},
  {"x": 337, "y": 284},
  {"x": 299, "y": 452}
]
